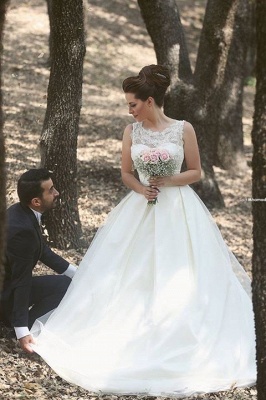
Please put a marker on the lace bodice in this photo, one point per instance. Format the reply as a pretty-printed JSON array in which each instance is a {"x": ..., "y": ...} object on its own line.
[{"x": 170, "y": 139}]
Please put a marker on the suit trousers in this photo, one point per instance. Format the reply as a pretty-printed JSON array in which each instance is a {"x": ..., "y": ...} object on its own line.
[{"x": 46, "y": 293}]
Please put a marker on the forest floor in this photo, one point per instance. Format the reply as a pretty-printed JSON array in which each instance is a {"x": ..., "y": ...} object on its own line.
[{"x": 117, "y": 46}]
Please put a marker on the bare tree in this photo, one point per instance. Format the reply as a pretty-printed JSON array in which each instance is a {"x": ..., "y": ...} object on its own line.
[
  {"x": 259, "y": 199},
  {"x": 165, "y": 29},
  {"x": 206, "y": 98},
  {"x": 60, "y": 130},
  {"x": 3, "y": 8},
  {"x": 219, "y": 79}
]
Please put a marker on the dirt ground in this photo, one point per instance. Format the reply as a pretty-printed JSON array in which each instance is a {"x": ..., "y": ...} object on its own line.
[{"x": 117, "y": 46}]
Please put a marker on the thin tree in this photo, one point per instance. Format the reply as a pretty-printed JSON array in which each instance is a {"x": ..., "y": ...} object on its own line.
[
  {"x": 61, "y": 124},
  {"x": 196, "y": 97},
  {"x": 3, "y": 9},
  {"x": 259, "y": 200}
]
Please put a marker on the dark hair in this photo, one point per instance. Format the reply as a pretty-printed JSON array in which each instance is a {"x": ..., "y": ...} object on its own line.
[
  {"x": 29, "y": 184},
  {"x": 152, "y": 81}
]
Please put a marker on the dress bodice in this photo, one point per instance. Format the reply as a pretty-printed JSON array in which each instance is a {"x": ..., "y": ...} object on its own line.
[{"x": 170, "y": 139}]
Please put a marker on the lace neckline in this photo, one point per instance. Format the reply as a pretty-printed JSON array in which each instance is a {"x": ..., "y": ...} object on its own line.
[
  {"x": 171, "y": 134},
  {"x": 164, "y": 130}
]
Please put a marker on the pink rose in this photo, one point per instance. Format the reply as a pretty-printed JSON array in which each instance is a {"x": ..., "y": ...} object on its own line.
[
  {"x": 154, "y": 157},
  {"x": 145, "y": 157},
  {"x": 164, "y": 156},
  {"x": 156, "y": 151}
]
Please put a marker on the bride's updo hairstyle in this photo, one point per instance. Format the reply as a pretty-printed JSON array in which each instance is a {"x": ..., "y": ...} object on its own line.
[{"x": 152, "y": 81}]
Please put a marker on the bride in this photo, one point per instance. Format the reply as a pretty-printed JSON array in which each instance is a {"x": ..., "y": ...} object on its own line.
[{"x": 159, "y": 304}]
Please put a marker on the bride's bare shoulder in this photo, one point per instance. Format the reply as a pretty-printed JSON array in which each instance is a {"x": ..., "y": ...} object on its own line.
[
  {"x": 188, "y": 130},
  {"x": 127, "y": 132}
]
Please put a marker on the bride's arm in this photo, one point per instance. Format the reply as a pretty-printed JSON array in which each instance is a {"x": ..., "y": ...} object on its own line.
[
  {"x": 192, "y": 157},
  {"x": 127, "y": 169}
]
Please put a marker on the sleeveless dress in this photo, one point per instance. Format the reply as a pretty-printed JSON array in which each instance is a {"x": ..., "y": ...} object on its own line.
[{"x": 159, "y": 304}]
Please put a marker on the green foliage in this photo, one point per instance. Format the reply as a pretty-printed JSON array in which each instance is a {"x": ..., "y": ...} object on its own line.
[{"x": 250, "y": 81}]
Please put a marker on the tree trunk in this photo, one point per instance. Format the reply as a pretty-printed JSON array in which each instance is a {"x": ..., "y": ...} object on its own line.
[
  {"x": 259, "y": 200},
  {"x": 171, "y": 50},
  {"x": 168, "y": 39},
  {"x": 49, "y": 10},
  {"x": 3, "y": 8},
  {"x": 251, "y": 52},
  {"x": 60, "y": 130},
  {"x": 162, "y": 20},
  {"x": 219, "y": 79}
]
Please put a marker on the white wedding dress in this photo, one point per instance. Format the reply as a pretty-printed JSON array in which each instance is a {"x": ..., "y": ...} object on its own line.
[{"x": 159, "y": 304}]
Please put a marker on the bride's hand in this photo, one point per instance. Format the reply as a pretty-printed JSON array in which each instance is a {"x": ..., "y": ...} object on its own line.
[
  {"x": 150, "y": 192},
  {"x": 159, "y": 181}
]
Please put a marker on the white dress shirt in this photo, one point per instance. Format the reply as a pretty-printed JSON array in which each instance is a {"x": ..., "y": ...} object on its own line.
[{"x": 22, "y": 331}]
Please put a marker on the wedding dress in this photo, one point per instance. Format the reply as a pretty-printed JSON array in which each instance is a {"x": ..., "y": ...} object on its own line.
[{"x": 159, "y": 304}]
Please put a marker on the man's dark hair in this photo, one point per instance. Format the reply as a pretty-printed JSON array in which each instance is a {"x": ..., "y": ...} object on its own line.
[{"x": 29, "y": 184}]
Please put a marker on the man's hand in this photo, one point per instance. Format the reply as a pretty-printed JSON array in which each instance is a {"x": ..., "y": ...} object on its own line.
[{"x": 25, "y": 343}]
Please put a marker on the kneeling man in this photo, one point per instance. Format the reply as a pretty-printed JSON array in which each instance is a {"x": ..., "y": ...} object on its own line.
[{"x": 26, "y": 297}]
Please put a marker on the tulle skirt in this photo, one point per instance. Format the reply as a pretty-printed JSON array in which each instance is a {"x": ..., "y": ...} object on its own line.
[{"x": 159, "y": 305}]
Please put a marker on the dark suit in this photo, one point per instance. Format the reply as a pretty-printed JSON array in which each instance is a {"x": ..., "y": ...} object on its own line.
[{"x": 25, "y": 246}]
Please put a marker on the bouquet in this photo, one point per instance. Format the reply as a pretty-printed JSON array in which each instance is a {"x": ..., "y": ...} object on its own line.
[{"x": 155, "y": 162}]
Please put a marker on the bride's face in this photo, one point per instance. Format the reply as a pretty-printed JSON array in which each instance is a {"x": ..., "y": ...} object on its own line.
[{"x": 136, "y": 107}]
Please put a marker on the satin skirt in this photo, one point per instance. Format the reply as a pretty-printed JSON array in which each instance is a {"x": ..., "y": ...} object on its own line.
[{"x": 159, "y": 305}]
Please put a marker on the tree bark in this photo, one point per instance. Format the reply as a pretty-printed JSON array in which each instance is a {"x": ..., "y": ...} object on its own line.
[
  {"x": 162, "y": 20},
  {"x": 168, "y": 38},
  {"x": 259, "y": 200},
  {"x": 251, "y": 52},
  {"x": 49, "y": 10},
  {"x": 3, "y": 8},
  {"x": 219, "y": 79},
  {"x": 60, "y": 130}
]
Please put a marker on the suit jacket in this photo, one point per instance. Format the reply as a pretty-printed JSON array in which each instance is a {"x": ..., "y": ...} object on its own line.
[{"x": 24, "y": 247}]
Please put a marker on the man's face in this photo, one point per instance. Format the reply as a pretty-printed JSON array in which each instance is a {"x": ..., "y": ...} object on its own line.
[{"x": 49, "y": 196}]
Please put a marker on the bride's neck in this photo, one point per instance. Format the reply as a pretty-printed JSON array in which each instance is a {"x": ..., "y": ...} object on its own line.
[{"x": 157, "y": 121}]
